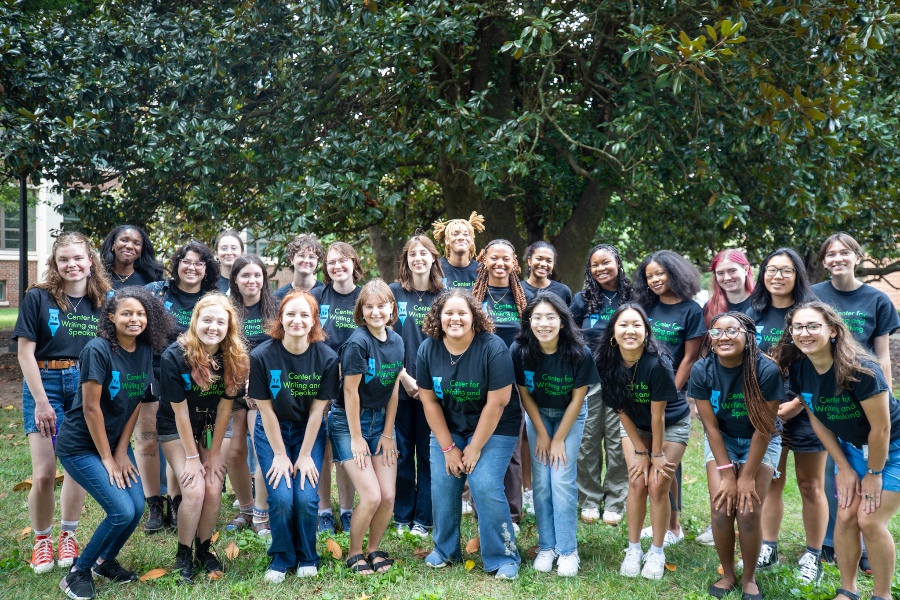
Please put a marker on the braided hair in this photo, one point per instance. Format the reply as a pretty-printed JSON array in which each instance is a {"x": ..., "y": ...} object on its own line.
[
  {"x": 479, "y": 288},
  {"x": 763, "y": 421},
  {"x": 593, "y": 293},
  {"x": 441, "y": 228}
]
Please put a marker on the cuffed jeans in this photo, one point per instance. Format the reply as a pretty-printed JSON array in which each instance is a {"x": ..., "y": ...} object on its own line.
[
  {"x": 495, "y": 530},
  {"x": 124, "y": 508},
  {"x": 601, "y": 433},
  {"x": 413, "y": 500},
  {"x": 555, "y": 490}
]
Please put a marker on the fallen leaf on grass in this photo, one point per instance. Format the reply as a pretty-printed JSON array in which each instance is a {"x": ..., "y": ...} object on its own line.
[
  {"x": 420, "y": 552},
  {"x": 8, "y": 407},
  {"x": 22, "y": 485},
  {"x": 3, "y": 495},
  {"x": 470, "y": 564},
  {"x": 214, "y": 538},
  {"x": 671, "y": 567},
  {"x": 363, "y": 596},
  {"x": 532, "y": 552},
  {"x": 473, "y": 545},
  {"x": 335, "y": 549},
  {"x": 59, "y": 478},
  {"x": 215, "y": 575},
  {"x": 12, "y": 425},
  {"x": 153, "y": 574},
  {"x": 24, "y": 533},
  {"x": 232, "y": 551}
]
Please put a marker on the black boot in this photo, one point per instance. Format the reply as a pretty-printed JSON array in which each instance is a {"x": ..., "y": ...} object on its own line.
[
  {"x": 154, "y": 520},
  {"x": 184, "y": 563},
  {"x": 206, "y": 556},
  {"x": 172, "y": 511}
]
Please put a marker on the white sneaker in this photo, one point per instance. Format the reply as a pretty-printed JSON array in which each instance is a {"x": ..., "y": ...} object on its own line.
[
  {"x": 401, "y": 529},
  {"x": 466, "y": 507},
  {"x": 274, "y": 576},
  {"x": 647, "y": 533},
  {"x": 631, "y": 566},
  {"x": 612, "y": 518},
  {"x": 567, "y": 566},
  {"x": 543, "y": 562},
  {"x": 419, "y": 531},
  {"x": 654, "y": 566},
  {"x": 590, "y": 515},
  {"x": 307, "y": 571},
  {"x": 706, "y": 538},
  {"x": 528, "y": 501},
  {"x": 671, "y": 539},
  {"x": 810, "y": 568}
]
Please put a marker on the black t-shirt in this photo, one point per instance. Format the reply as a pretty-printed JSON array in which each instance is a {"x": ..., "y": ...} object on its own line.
[
  {"x": 770, "y": 325},
  {"x": 459, "y": 277},
  {"x": 293, "y": 381},
  {"x": 462, "y": 388},
  {"x": 411, "y": 310},
  {"x": 675, "y": 324},
  {"x": 281, "y": 292},
  {"x": 378, "y": 362},
  {"x": 177, "y": 303},
  {"x": 841, "y": 411},
  {"x": 552, "y": 380},
  {"x": 592, "y": 324},
  {"x": 177, "y": 385},
  {"x": 57, "y": 333},
  {"x": 123, "y": 378},
  {"x": 136, "y": 278},
  {"x": 336, "y": 314},
  {"x": 224, "y": 284},
  {"x": 741, "y": 307},
  {"x": 723, "y": 389},
  {"x": 555, "y": 287},
  {"x": 253, "y": 326},
  {"x": 868, "y": 312},
  {"x": 654, "y": 381},
  {"x": 500, "y": 307}
]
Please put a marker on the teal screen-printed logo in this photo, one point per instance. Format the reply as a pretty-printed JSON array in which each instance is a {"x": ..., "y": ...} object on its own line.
[
  {"x": 759, "y": 333},
  {"x": 53, "y": 320},
  {"x": 807, "y": 398},
  {"x": 187, "y": 381},
  {"x": 167, "y": 305},
  {"x": 484, "y": 307},
  {"x": 115, "y": 385},
  {"x": 438, "y": 390},
  {"x": 370, "y": 372},
  {"x": 444, "y": 282},
  {"x": 594, "y": 318},
  {"x": 714, "y": 400},
  {"x": 401, "y": 312},
  {"x": 529, "y": 380},
  {"x": 274, "y": 382},
  {"x": 323, "y": 313}
]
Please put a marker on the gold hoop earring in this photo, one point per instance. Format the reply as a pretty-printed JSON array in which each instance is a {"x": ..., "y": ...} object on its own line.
[{"x": 611, "y": 343}]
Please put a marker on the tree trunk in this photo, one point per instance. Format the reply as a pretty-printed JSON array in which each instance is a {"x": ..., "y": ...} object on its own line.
[
  {"x": 575, "y": 239},
  {"x": 387, "y": 252}
]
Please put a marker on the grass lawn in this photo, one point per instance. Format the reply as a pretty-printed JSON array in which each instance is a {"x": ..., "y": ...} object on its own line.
[
  {"x": 600, "y": 546},
  {"x": 8, "y": 318}
]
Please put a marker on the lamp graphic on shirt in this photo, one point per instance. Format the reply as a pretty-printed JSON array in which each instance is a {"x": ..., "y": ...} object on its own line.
[
  {"x": 115, "y": 385},
  {"x": 401, "y": 312},
  {"x": 187, "y": 381},
  {"x": 594, "y": 318},
  {"x": 529, "y": 380},
  {"x": 53, "y": 320},
  {"x": 807, "y": 398},
  {"x": 274, "y": 382},
  {"x": 759, "y": 332},
  {"x": 484, "y": 307},
  {"x": 323, "y": 313},
  {"x": 444, "y": 282},
  {"x": 438, "y": 390},
  {"x": 714, "y": 400},
  {"x": 167, "y": 305},
  {"x": 370, "y": 372}
]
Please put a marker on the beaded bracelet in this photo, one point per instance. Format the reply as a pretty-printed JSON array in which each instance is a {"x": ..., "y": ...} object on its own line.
[
  {"x": 644, "y": 453},
  {"x": 190, "y": 457},
  {"x": 448, "y": 448},
  {"x": 662, "y": 455},
  {"x": 387, "y": 437}
]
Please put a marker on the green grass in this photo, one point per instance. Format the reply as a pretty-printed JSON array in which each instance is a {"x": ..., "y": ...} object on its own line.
[
  {"x": 8, "y": 318},
  {"x": 600, "y": 548}
]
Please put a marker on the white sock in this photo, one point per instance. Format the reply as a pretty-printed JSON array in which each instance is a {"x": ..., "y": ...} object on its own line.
[
  {"x": 655, "y": 550},
  {"x": 635, "y": 546},
  {"x": 69, "y": 526}
]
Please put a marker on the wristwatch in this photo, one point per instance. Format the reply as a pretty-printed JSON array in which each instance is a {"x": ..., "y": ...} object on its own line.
[{"x": 871, "y": 471}]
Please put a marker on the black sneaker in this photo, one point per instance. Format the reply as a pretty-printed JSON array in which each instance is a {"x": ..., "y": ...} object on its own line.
[
  {"x": 207, "y": 557},
  {"x": 154, "y": 522},
  {"x": 78, "y": 585},
  {"x": 827, "y": 554},
  {"x": 864, "y": 566},
  {"x": 768, "y": 556},
  {"x": 184, "y": 563},
  {"x": 111, "y": 570},
  {"x": 810, "y": 567}
]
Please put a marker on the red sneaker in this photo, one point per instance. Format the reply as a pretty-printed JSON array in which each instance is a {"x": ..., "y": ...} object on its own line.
[
  {"x": 42, "y": 557},
  {"x": 68, "y": 549}
]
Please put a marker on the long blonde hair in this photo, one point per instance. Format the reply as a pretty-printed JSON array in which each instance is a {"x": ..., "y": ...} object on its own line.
[
  {"x": 97, "y": 284},
  {"x": 235, "y": 360}
]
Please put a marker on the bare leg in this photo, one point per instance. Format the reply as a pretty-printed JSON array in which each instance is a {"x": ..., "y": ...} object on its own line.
[
  {"x": 236, "y": 459},
  {"x": 366, "y": 482},
  {"x": 387, "y": 482},
  {"x": 723, "y": 530},
  {"x": 526, "y": 460},
  {"x": 750, "y": 530},
  {"x": 212, "y": 499},
  {"x": 146, "y": 449},
  {"x": 325, "y": 478},
  {"x": 773, "y": 507},
  {"x": 41, "y": 501},
  {"x": 346, "y": 488},
  {"x": 192, "y": 494},
  {"x": 810, "y": 467},
  {"x": 879, "y": 543},
  {"x": 636, "y": 501},
  {"x": 262, "y": 494}
]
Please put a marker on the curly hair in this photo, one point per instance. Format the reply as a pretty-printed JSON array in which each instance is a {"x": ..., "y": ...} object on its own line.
[
  {"x": 268, "y": 305},
  {"x": 479, "y": 288},
  {"x": 570, "y": 343},
  {"x": 431, "y": 326},
  {"x": 435, "y": 276},
  {"x": 159, "y": 322},
  {"x": 374, "y": 290},
  {"x": 761, "y": 299},
  {"x": 763, "y": 421},
  {"x": 684, "y": 278},
  {"x": 444, "y": 229},
  {"x": 846, "y": 352},
  {"x": 236, "y": 361},
  {"x": 316, "y": 333},
  {"x": 97, "y": 284},
  {"x": 615, "y": 377},
  {"x": 842, "y": 237},
  {"x": 718, "y": 301},
  {"x": 145, "y": 263},
  {"x": 305, "y": 241},
  {"x": 346, "y": 251},
  {"x": 211, "y": 276},
  {"x": 593, "y": 293}
]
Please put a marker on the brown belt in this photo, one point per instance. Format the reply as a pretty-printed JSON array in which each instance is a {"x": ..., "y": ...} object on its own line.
[{"x": 66, "y": 363}]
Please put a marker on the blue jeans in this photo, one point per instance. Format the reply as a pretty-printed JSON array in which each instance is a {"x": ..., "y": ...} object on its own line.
[
  {"x": 371, "y": 424},
  {"x": 498, "y": 541},
  {"x": 293, "y": 513},
  {"x": 555, "y": 490},
  {"x": 124, "y": 508},
  {"x": 413, "y": 503},
  {"x": 60, "y": 386}
]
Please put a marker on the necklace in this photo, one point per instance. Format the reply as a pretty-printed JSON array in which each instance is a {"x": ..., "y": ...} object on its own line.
[
  {"x": 123, "y": 279},
  {"x": 497, "y": 300},
  {"x": 458, "y": 358},
  {"x": 634, "y": 372},
  {"x": 75, "y": 308},
  {"x": 609, "y": 299},
  {"x": 422, "y": 295}
]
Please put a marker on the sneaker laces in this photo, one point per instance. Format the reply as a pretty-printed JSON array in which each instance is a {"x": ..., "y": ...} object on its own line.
[
  {"x": 68, "y": 545},
  {"x": 809, "y": 566},
  {"x": 43, "y": 551},
  {"x": 765, "y": 554}
]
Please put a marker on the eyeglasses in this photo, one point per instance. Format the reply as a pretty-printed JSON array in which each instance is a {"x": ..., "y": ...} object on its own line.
[
  {"x": 811, "y": 328},
  {"x": 187, "y": 264},
  {"x": 340, "y": 261},
  {"x": 715, "y": 333},
  {"x": 786, "y": 272},
  {"x": 551, "y": 320}
]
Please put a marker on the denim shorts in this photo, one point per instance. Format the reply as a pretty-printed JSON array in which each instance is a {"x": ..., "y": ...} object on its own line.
[
  {"x": 371, "y": 424},
  {"x": 60, "y": 386},
  {"x": 679, "y": 432},
  {"x": 890, "y": 476},
  {"x": 739, "y": 449},
  {"x": 168, "y": 430},
  {"x": 799, "y": 435}
]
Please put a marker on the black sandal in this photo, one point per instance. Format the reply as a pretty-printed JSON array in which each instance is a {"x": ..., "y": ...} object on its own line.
[
  {"x": 386, "y": 561},
  {"x": 850, "y": 595},
  {"x": 717, "y": 592},
  {"x": 353, "y": 563}
]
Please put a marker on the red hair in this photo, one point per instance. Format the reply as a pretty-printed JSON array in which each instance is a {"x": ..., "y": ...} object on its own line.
[{"x": 718, "y": 301}]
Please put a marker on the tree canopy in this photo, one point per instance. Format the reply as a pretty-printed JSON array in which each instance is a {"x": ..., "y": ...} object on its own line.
[{"x": 691, "y": 126}]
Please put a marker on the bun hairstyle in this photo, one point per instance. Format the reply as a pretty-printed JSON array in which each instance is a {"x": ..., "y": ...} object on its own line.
[{"x": 442, "y": 229}]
